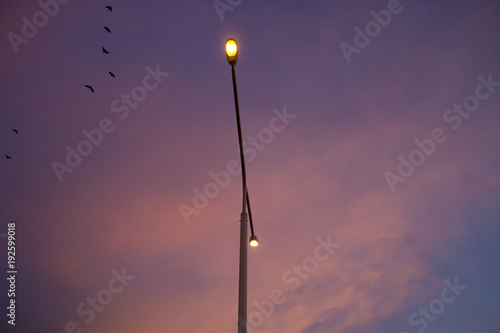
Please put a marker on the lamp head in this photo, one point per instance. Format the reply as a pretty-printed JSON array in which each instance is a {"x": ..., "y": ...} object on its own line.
[
  {"x": 254, "y": 241},
  {"x": 231, "y": 51}
]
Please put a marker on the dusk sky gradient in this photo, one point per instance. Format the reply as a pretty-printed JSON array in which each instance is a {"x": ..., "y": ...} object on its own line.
[{"x": 320, "y": 174}]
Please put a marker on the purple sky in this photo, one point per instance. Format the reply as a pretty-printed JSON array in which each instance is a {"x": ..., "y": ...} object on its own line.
[{"x": 383, "y": 144}]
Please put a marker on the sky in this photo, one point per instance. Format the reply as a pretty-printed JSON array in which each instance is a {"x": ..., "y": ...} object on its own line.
[{"x": 371, "y": 137}]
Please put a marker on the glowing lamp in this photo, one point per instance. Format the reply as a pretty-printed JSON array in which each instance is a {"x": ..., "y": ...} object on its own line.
[
  {"x": 231, "y": 51},
  {"x": 254, "y": 241}
]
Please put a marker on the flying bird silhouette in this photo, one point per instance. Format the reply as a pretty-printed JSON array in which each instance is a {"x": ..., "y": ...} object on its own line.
[
  {"x": 8, "y": 157},
  {"x": 109, "y": 8},
  {"x": 16, "y": 131},
  {"x": 111, "y": 74},
  {"x": 90, "y": 87},
  {"x": 107, "y": 29},
  {"x": 105, "y": 51}
]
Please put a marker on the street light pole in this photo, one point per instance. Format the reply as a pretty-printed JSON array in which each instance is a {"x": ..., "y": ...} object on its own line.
[
  {"x": 232, "y": 57},
  {"x": 242, "y": 287}
]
